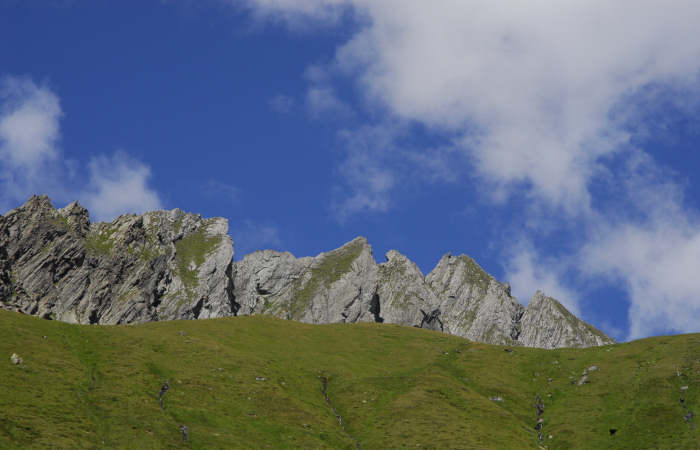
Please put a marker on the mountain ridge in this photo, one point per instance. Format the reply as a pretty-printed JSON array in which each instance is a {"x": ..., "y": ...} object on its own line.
[{"x": 164, "y": 265}]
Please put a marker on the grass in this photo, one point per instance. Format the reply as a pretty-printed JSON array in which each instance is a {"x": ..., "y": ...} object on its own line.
[
  {"x": 255, "y": 382},
  {"x": 60, "y": 222}
]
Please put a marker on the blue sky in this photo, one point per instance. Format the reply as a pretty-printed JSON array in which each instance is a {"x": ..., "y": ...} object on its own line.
[{"x": 555, "y": 144}]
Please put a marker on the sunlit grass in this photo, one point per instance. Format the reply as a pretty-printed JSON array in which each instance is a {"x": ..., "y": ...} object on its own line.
[{"x": 254, "y": 382}]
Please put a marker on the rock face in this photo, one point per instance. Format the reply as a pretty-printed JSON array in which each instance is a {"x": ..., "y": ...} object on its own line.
[
  {"x": 166, "y": 265},
  {"x": 403, "y": 295},
  {"x": 337, "y": 286},
  {"x": 547, "y": 324},
  {"x": 473, "y": 303},
  {"x": 156, "y": 266}
]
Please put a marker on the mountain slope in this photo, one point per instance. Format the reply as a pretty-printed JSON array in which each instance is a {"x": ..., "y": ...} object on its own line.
[{"x": 257, "y": 382}]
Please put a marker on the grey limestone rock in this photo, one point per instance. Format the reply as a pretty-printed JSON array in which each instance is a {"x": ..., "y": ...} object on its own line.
[
  {"x": 16, "y": 359},
  {"x": 473, "y": 303},
  {"x": 547, "y": 324},
  {"x": 160, "y": 265},
  {"x": 263, "y": 280},
  {"x": 337, "y": 286},
  {"x": 165, "y": 265},
  {"x": 403, "y": 295}
]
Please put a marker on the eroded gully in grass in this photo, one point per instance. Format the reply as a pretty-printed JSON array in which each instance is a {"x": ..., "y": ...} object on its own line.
[{"x": 324, "y": 390}]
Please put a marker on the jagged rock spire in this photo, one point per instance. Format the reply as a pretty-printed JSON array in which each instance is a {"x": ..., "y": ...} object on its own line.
[
  {"x": 473, "y": 303},
  {"x": 547, "y": 324}
]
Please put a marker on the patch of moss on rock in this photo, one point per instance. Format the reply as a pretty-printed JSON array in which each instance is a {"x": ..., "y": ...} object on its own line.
[
  {"x": 101, "y": 241},
  {"x": 192, "y": 250},
  {"x": 60, "y": 222},
  {"x": 177, "y": 225},
  {"x": 146, "y": 252}
]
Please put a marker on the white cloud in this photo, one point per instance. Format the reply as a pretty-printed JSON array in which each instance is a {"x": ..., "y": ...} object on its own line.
[
  {"x": 29, "y": 135},
  {"x": 527, "y": 272},
  {"x": 366, "y": 171},
  {"x": 322, "y": 100},
  {"x": 377, "y": 162},
  {"x": 656, "y": 258},
  {"x": 29, "y": 123},
  {"x": 31, "y": 161},
  {"x": 538, "y": 80},
  {"x": 118, "y": 185},
  {"x": 297, "y": 14},
  {"x": 658, "y": 263},
  {"x": 437, "y": 165}
]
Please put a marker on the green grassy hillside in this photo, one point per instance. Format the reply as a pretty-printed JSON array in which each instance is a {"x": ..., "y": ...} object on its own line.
[{"x": 257, "y": 382}]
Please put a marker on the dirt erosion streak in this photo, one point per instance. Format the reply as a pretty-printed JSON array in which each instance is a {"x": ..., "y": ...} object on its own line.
[{"x": 324, "y": 390}]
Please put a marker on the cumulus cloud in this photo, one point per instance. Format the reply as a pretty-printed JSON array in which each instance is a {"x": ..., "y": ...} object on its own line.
[
  {"x": 528, "y": 272},
  {"x": 366, "y": 171},
  {"x": 322, "y": 100},
  {"x": 536, "y": 82},
  {"x": 29, "y": 135},
  {"x": 29, "y": 123},
  {"x": 31, "y": 161},
  {"x": 539, "y": 97},
  {"x": 118, "y": 185},
  {"x": 658, "y": 263},
  {"x": 377, "y": 162},
  {"x": 297, "y": 14},
  {"x": 652, "y": 248}
]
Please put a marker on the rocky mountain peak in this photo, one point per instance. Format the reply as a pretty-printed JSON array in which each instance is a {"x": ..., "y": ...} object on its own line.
[
  {"x": 474, "y": 304},
  {"x": 547, "y": 323},
  {"x": 77, "y": 218},
  {"x": 392, "y": 255},
  {"x": 404, "y": 296},
  {"x": 164, "y": 265},
  {"x": 155, "y": 266}
]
